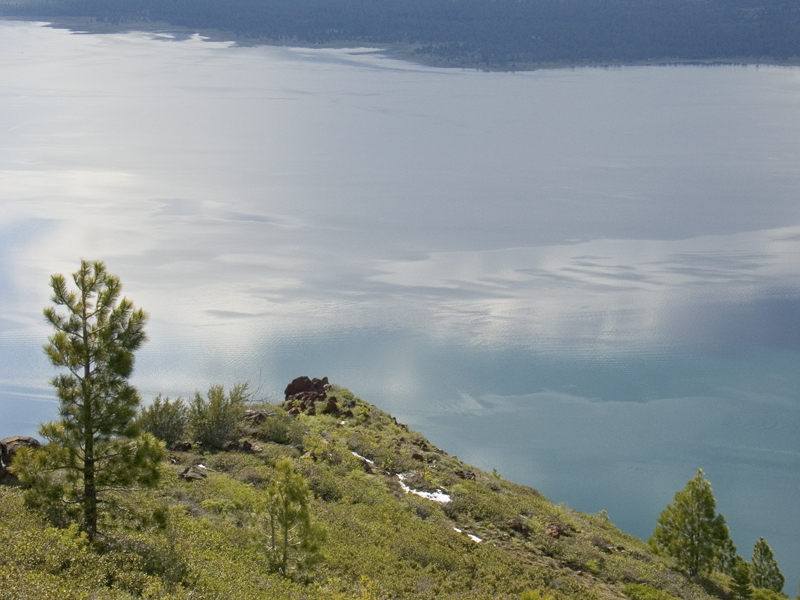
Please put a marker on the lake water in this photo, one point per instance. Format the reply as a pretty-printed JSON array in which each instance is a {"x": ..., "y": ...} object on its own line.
[{"x": 588, "y": 279}]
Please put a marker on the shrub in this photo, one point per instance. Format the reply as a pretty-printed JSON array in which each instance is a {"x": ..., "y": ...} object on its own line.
[
  {"x": 638, "y": 591},
  {"x": 535, "y": 595},
  {"x": 166, "y": 419},
  {"x": 593, "y": 566},
  {"x": 214, "y": 422},
  {"x": 280, "y": 428},
  {"x": 767, "y": 594}
]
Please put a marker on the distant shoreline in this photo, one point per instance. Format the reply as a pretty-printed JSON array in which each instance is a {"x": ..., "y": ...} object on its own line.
[{"x": 404, "y": 52}]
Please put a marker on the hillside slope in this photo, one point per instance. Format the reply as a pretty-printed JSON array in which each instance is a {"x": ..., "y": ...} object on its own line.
[{"x": 404, "y": 520}]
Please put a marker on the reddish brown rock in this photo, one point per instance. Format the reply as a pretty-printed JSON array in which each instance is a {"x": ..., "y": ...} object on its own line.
[
  {"x": 520, "y": 527},
  {"x": 303, "y": 384},
  {"x": 304, "y": 394},
  {"x": 331, "y": 407},
  {"x": 553, "y": 530}
]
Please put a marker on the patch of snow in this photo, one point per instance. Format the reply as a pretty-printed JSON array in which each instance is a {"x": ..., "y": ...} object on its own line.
[
  {"x": 357, "y": 455},
  {"x": 437, "y": 496},
  {"x": 474, "y": 538}
]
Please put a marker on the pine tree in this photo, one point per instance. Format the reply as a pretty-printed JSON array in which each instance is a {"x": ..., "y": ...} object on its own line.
[
  {"x": 93, "y": 450},
  {"x": 293, "y": 541},
  {"x": 742, "y": 588},
  {"x": 727, "y": 557},
  {"x": 766, "y": 574},
  {"x": 689, "y": 529}
]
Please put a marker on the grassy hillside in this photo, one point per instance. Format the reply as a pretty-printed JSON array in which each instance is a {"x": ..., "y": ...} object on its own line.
[{"x": 204, "y": 539}]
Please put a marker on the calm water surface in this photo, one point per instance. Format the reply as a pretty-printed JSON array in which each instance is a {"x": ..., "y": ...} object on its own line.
[{"x": 588, "y": 279}]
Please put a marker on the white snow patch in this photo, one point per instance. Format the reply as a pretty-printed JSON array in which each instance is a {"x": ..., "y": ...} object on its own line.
[
  {"x": 456, "y": 529},
  {"x": 357, "y": 455},
  {"x": 437, "y": 496},
  {"x": 474, "y": 538}
]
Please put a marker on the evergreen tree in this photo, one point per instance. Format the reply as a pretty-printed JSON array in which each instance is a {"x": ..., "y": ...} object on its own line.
[
  {"x": 689, "y": 529},
  {"x": 766, "y": 574},
  {"x": 727, "y": 557},
  {"x": 742, "y": 588},
  {"x": 292, "y": 539},
  {"x": 93, "y": 449}
]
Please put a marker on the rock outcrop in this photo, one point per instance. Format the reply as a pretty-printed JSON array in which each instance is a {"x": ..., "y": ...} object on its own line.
[
  {"x": 303, "y": 394},
  {"x": 194, "y": 473},
  {"x": 8, "y": 448}
]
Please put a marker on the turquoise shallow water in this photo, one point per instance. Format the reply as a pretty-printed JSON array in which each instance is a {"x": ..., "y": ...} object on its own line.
[{"x": 587, "y": 279}]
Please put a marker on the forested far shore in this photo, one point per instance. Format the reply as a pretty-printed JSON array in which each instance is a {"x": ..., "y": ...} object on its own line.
[{"x": 488, "y": 33}]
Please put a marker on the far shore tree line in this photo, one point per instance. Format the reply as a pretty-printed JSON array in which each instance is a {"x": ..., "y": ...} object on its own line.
[
  {"x": 498, "y": 34},
  {"x": 105, "y": 442}
]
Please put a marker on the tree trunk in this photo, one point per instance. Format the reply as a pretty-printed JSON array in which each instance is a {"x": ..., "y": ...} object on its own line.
[{"x": 89, "y": 488}]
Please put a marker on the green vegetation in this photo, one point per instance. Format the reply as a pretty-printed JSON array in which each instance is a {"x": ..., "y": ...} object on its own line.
[
  {"x": 334, "y": 501},
  {"x": 535, "y": 595},
  {"x": 765, "y": 571},
  {"x": 727, "y": 557},
  {"x": 690, "y": 530},
  {"x": 166, "y": 419},
  {"x": 293, "y": 541},
  {"x": 214, "y": 421},
  {"x": 504, "y": 34},
  {"x": 93, "y": 451},
  {"x": 253, "y": 527},
  {"x": 766, "y": 594},
  {"x": 638, "y": 591},
  {"x": 742, "y": 587},
  {"x": 213, "y": 537}
]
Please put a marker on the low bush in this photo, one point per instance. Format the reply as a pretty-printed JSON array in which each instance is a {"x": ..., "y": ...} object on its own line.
[
  {"x": 638, "y": 591},
  {"x": 166, "y": 419},
  {"x": 764, "y": 594},
  {"x": 279, "y": 427},
  {"x": 214, "y": 421}
]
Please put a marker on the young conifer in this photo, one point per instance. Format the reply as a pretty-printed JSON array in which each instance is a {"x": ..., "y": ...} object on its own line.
[
  {"x": 766, "y": 574},
  {"x": 293, "y": 540},
  {"x": 690, "y": 530},
  {"x": 742, "y": 588},
  {"x": 94, "y": 448}
]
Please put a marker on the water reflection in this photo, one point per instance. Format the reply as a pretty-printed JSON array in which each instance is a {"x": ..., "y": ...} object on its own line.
[{"x": 587, "y": 279}]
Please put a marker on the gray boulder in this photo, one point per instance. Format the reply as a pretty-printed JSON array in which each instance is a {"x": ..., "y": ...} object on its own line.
[{"x": 8, "y": 448}]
